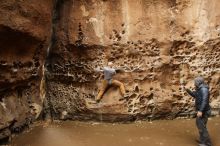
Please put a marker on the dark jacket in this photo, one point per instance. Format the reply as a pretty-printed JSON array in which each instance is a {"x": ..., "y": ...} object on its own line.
[{"x": 201, "y": 96}]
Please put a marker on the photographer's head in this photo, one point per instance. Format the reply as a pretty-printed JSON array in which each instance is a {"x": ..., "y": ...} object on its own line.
[{"x": 198, "y": 81}]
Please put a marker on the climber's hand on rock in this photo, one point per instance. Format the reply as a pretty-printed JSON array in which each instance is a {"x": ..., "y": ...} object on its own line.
[
  {"x": 97, "y": 69},
  {"x": 119, "y": 70}
]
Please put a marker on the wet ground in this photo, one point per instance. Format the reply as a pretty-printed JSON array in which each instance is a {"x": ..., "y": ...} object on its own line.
[{"x": 181, "y": 132}]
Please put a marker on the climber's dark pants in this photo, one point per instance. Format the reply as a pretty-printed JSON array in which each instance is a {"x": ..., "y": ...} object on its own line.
[{"x": 201, "y": 123}]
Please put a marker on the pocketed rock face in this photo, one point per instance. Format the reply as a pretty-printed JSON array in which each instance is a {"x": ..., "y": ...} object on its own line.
[
  {"x": 25, "y": 28},
  {"x": 160, "y": 45}
]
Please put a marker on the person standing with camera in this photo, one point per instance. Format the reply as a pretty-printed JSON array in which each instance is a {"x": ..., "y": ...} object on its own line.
[{"x": 203, "y": 109}]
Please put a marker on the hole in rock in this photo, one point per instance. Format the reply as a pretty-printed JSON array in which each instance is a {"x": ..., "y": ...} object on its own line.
[{"x": 16, "y": 45}]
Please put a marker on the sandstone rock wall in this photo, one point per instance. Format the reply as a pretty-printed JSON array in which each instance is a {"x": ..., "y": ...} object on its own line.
[
  {"x": 160, "y": 44},
  {"x": 25, "y": 28}
]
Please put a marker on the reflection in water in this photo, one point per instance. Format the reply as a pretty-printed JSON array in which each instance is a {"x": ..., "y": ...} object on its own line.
[{"x": 156, "y": 133}]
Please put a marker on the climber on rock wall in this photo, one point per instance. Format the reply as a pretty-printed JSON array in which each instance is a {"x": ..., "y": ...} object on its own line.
[
  {"x": 201, "y": 95},
  {"x": 109, "y": 72}
]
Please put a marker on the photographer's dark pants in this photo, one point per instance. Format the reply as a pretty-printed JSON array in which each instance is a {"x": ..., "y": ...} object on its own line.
[{"x": 201, "y": 123}]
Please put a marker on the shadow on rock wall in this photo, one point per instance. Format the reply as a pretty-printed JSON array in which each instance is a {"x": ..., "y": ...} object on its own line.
[{"x": 24, "y": 38}]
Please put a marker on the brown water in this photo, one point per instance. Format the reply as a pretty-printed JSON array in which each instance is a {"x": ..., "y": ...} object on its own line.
[{"x": 157, "y": 133}]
